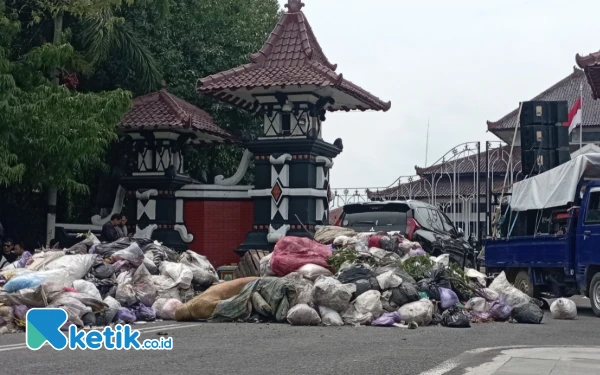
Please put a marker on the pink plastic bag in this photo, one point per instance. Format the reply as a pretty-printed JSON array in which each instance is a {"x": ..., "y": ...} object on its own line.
[{"x": 291, "y": 253}]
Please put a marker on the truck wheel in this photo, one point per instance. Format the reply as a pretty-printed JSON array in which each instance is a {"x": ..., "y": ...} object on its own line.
[
  {"x": 595, "y": 294},
  {"x": 523, "y": 283}
]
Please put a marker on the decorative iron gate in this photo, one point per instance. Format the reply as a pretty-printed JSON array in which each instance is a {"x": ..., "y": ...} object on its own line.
[{"x": 460, "y": 183}]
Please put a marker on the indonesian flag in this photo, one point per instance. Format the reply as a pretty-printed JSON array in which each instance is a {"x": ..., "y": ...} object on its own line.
[{"x": 574, "y": 116}]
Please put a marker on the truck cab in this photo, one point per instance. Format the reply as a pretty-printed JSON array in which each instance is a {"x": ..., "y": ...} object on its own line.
[{"x": 564, "y": 258}]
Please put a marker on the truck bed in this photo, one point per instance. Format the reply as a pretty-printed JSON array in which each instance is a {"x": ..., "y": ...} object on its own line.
[{"x": 528, "y": 251}]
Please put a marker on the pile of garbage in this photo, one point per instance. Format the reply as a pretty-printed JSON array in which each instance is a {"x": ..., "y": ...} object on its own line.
[
  {"x": 347, "y": 278},
  {"x": 130, "y": 280}
]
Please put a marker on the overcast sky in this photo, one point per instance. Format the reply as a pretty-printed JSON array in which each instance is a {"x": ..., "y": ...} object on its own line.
[{"x": 457, "y": 63}]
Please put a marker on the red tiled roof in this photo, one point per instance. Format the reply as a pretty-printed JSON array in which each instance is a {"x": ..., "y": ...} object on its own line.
[
  {"x": 591, "y": 66},
  {"x": 566, "y": 89},
  {"x": 162, "y": 110},
  {"x": 291, "y": 56}
]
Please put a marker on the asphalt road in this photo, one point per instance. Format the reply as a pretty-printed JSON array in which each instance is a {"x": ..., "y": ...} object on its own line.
[{"x": 205, "y": 348}]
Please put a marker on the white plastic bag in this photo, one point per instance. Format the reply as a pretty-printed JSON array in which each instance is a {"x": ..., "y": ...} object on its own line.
[
  {"x": 133, "y": 254},
  {"x": 165, "y": 308},
  {"x": 351, "y": 316},
  {"x": 474, "y": 274},
  {"x": 303, "y": 315},
  {"x": 563, "y": 308},
  {"x": 143, "y": 287},
  {"x": 477, "y": 304},
  {"x": 313, "y": 271},
  {"x": 204, "y": 274},
  {"x": 180, "y": 273},
  {"x": 444, "y": 259},
  {"x": 420, "y": 312},
  {"x": 512, "y": 296},
  {"x": 329, "y": 292},
  {"x": 112, "y": 303},
  {"x": 88, "y": 288},
  {"x": 165, "y": 287},
  {"x": 265, "y": 266},
  {"x": 488, "y": 294},
  {"x": 369, "y": 302},
  {"x": 330, "y": 317},
  {"x": 76, "y": 265},
  {"x": 41, "y": 259},
  {"x": 125, "y": 293},
  {"x": 389, "y": 280}
]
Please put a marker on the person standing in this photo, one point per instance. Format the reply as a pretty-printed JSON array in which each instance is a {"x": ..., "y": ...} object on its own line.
[
  {"x": 109, "y": 229},
  {"x": 122, "y": 228}
]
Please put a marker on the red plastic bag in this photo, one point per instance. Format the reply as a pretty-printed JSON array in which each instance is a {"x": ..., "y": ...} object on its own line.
[
  {"x": 291, "y": 253},
  {"x": 374, "y": 240}
]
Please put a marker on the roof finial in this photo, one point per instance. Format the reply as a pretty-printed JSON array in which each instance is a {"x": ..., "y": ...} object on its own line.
[{"x": 294, "y": 6}]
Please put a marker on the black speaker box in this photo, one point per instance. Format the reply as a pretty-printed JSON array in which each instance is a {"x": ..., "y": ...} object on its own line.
[
  {"x": 538, "y": 137},
  {"x": 544, "y": 113},
  {"x": 537, "y": 161},
  {"x": 563, "y": 155},
  {"x": 562, "y": 136}
]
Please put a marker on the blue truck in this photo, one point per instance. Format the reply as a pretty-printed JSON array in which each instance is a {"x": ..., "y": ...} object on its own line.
[{"x": 563, "y": 258}]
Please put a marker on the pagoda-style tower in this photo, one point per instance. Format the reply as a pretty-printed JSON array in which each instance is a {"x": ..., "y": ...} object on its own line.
[
  {"x": 290, "y": 84},
  {"x": 158, "y": 125}
]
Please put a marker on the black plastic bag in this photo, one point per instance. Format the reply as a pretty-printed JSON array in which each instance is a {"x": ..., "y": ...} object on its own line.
[
  {"x": 354, "y": 273},
  {"x": 388, "y": 243},
  {"x": 529, "y": 313},
  {"x": 405, "y": 293},
  {"x": 89, "y": 319},
  {"x": 361, "y": 287},
  {"x": 102, "y": 270},
  {"x": 455, "y": 318},
  {"x": 435, "y": 278}
]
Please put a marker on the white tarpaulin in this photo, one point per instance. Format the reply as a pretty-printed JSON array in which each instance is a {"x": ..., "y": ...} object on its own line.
[{"x": 556, "y": 187}]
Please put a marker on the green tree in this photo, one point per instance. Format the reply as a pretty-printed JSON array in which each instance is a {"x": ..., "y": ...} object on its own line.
[
  {"x": 52, "y": 135},
  {"x": 195, "y": 39}
]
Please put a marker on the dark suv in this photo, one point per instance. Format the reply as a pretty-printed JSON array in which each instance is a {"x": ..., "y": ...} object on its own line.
[{"x": 417, "y": 221}]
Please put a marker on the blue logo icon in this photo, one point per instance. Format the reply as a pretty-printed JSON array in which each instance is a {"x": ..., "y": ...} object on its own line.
[{"x": 43, "y": 326}]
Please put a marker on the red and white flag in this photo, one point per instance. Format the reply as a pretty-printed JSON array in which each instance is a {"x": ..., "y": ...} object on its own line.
[{"x": 575, "y": 116}]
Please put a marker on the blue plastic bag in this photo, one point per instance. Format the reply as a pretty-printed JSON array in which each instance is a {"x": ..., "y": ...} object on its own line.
[
  {"x": 500, "y": 311},
  {"x": 145, "y": 313},
  {"x": 447, "y": 298},
  {"x": 125, "y": 315},
  {"x": 28, "y": 280}
]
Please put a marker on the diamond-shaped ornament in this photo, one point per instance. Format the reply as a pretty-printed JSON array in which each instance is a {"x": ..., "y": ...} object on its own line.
[{"x": 277, "y": 192}]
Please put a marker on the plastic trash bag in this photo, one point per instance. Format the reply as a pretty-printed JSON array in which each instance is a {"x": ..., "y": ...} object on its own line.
[
  {"x": 144, "y": 313},
  {"x": 41, "y": 259},
  {"x": 76, "y": 265},
  {"x": 369, "y": 302},
  {"x": 389, "y": 280},
  {"x": 168, "y": 310},
  {"x": 204, "y": 274},
  {"x": 32, "y": 297},
  {"x": 102, "y": 270},
  {"x": 150, "y": 266},
  {"x": 352, "y": 316},
  {"x": 181, "y": 274},
  {"x": 291, "y": 253},
  {"x": 330, "y": 317},
  {"x": 88, "y": 288},
  {"x": 133, "y": 254},
  {"x": 420, "y": 312},
  {"x": 358, "y": 271},
  {"x": 477, "y": 276},
  {"x": 165, "y": 287},
  {"x": 89, "y": 301},
  {"x": 125, "y": 293},
  {"x": 387, "y": 319},
  {"x": 303, "y": 315},
  {"x": 406, "y": 278},
  {"x": 52, "y": 281},
  {"x": 500, "y": 311},
  {"x": 488, "y": 294},
  {"x": 455, "y": 318},
  {"x": 563, "y": 308},
  {"x": 265, "y": 266},
  {"x": 24, "y": 281},
  {"x": 112, "y": 303},
  {"x": 361, "y": 287},
  {"x": 331, "y": 293},
  {"x": 478, "y": 304},
  {"x": 6, "y": 314},
  {"x": 405, "y": 293},
  {"x": 143, "y": 287},
  {"x": 89, "y": 319},
  {"x": 20, "y": 312},
  {"x": 312, "y": 271},
  {"x": 124, "y": 315},
  {"x": 416, "y": 253},
  {"x": 447, "y": 298},
  {"x": 511, "y": 295},
  {"x": 529, "y": 313}
]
